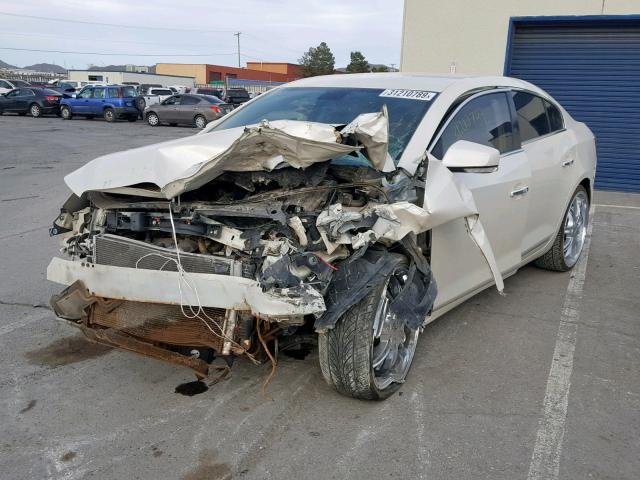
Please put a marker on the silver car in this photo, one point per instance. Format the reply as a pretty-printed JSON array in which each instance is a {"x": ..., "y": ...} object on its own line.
[{"x": 196, "y": 110}]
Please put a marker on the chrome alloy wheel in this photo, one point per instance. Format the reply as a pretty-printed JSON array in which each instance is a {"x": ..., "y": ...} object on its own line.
[
  {"x": 575, "y": 228},
  {"x": 393, "y": 343}
]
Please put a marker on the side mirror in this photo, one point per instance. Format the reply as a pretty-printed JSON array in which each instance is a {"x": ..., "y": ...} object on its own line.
[{"x": 469, "y": 155}]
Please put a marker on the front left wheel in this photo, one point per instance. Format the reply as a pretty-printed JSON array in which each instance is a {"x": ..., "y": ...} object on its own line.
[
  {"x": 109, "y": 115},
  {"x": 368, "y": 353}
]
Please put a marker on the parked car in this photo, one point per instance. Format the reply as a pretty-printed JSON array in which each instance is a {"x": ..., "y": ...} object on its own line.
[
  {"x": 112, "y": 103},
  {"x": 7, "y": 85},
  {"x": 236, "y": 96},
  {"x": 196, "y": 110},
  {"x": 178, "y": 89},
  {"x": 152, "y": 96},
  {"x": 331, "y": 204},
  {"x": 36, "y": 101},
  {"x": 216, "y": 92}
]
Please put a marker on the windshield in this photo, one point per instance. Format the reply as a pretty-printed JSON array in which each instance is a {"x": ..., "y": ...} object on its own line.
[{"x": 336, "y": 106}]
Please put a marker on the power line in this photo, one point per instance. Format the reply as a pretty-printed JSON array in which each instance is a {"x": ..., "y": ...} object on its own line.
[
  {"x": 119, "y": 54},
  {"x": 101, "y": 24}
]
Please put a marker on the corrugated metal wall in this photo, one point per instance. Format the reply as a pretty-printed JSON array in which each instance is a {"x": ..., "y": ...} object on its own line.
[{"x": 593, "y": 69}]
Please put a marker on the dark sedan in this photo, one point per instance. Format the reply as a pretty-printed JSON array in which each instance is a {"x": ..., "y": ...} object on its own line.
[
  {"x": 189, "y": 109},
  {"x": 36, "y": 101}
]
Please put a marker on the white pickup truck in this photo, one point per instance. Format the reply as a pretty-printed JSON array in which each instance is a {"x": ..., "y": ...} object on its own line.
[{"x": 152, "y": 96}]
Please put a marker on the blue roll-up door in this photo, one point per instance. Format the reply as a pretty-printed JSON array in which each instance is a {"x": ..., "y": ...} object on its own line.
[{"x": 593, "y": 69}]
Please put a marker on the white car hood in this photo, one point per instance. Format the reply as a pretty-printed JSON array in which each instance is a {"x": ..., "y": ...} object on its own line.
[{"x": 165, "y": 170}]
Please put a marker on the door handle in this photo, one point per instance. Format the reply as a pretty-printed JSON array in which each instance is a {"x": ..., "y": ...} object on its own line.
[
  {"x": 567, "y": 163},
  {"x": 520, "y": 192}
]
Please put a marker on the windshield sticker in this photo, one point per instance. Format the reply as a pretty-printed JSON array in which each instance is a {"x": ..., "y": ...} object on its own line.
[{"x": 410, "y": 94}]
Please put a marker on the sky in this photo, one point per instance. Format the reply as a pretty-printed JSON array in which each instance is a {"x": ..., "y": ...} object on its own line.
[{"x": 196, "y": 31}]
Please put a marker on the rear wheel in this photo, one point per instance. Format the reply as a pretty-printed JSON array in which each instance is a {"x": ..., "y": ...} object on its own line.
[
  {"x": 35, "y": 110},
  {"x": 109, "y": 115},
  {"x": 66, "y": 113},
  {"x": 369, "y": 352},
  {"x": 567, "y": 247},
  {"x": 153, "y": 119},
  {"x": 200, "y": 121}
]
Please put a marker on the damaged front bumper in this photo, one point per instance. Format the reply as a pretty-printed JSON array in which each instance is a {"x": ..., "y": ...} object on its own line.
[{"x": 208, "y": 290}]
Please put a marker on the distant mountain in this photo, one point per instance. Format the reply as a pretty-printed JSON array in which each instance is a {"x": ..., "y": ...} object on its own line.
[
  {"x": 6, "y": 65},
  {"x": 46, "y": 67}
]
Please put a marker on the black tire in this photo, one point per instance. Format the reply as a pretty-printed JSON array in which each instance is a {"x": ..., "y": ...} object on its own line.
[
  {"x": 109, "y": 115},
  {"x": 199, "y": 121},
  {"x": 346, "y": 351},
  {"x": 35, "y": 110},
  {"x": 554, "y": 258},
  {"x": 153, "y": 119},
  {"x": 141, "y": 104},
  {"x": 66, "y": 113}
]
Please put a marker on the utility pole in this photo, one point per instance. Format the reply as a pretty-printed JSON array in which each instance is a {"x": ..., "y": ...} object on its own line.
[{"x": 238, "y": 35}]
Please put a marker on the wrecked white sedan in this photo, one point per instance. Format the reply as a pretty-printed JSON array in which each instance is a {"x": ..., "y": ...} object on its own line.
[{"x": 330, "y": 206}]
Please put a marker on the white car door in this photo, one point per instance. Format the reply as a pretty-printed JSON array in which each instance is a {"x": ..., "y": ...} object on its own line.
[
  {"x": 500, "y": 196},
  {"x": 551, "y": 153}
]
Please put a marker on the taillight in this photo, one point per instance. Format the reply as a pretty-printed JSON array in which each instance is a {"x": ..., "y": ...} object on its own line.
[
  {"x": 215, "y": 109},
  {"x": 50, "y": 98}
]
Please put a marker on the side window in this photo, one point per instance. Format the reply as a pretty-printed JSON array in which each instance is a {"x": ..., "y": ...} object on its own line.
[
  {"x": 14, "y": 93},
  {"x": 485, "y": 120},
  {"x": 531, "y": 114},
  {"x": 555, "y": 117},
  {"x": 171, "y": 101},
  {"x": 27, "y": 93},
  {"x": 186, "y": 100},
  {"x": 86, "y": 93},
  {"x": 4, "y": 84},
  {"x": 114, "y": 92},
  {"x": 98, "y": 93}
]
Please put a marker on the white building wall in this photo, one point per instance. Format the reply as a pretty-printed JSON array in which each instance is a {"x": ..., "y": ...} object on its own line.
[
  {"x": 470, "y": 36},
  {"x": 120, "y": 77}
]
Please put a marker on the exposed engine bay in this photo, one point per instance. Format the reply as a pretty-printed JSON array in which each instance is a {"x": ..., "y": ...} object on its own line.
[{"x": 254, "y": 248}]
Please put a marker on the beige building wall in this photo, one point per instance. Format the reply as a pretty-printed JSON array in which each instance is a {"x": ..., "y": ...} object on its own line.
[
  {"x": 470, "y": 37},
  {"x": 196, "y": 70}
]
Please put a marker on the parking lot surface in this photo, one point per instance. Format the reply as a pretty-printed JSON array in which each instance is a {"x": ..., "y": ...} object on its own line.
[{"x": 540, "y": 383}]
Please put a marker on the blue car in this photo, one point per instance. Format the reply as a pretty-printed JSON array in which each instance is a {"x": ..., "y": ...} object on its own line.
[{"x": 111, "y": 102}]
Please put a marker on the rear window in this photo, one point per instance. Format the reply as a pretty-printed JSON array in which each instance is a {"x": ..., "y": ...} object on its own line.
[
  {"x": 189, "y": 100},
  {"x": 212, "y": 99},
  {"x": 532, "y": 116},
  {"x": 20, "y": 83},
  {"x": 555, "y": 117},
  {"x": 161, "y": 91},
  {"x": 238, "y": 93},
  {"x": 129, "y": 92},
  {"x": 48, "y": 91}
]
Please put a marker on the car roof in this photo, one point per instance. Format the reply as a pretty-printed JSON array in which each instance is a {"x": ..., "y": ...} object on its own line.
[{"x": 404, "y": 80}]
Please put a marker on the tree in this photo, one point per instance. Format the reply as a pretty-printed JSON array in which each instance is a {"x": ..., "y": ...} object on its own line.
[
  {"x": 380, "y": 68},
  {"x": 317, "y": 61},
  {"x": 358, "y": 63}
]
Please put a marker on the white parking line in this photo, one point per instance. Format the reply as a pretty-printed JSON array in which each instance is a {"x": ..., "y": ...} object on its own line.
[
  {"x": 545, "y": 459},
  {"x": 616, "y": 206}
]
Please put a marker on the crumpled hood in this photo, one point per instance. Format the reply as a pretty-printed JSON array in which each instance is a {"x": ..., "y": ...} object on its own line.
[{"x": 167, "y": 169}]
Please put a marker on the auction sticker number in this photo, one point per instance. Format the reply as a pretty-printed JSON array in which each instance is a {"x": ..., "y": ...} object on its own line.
[{"x": 410, "y": 94}]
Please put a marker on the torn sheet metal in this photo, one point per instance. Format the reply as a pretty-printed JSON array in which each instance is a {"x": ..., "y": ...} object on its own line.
[
  {"x": 171, "y": 168},
  {"x": 447, "y": 199},
  {"x": 372, "y": 131}
]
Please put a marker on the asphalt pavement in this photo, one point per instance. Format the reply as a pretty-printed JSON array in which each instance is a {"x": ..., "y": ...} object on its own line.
[{"x": 498, "y": 389}]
